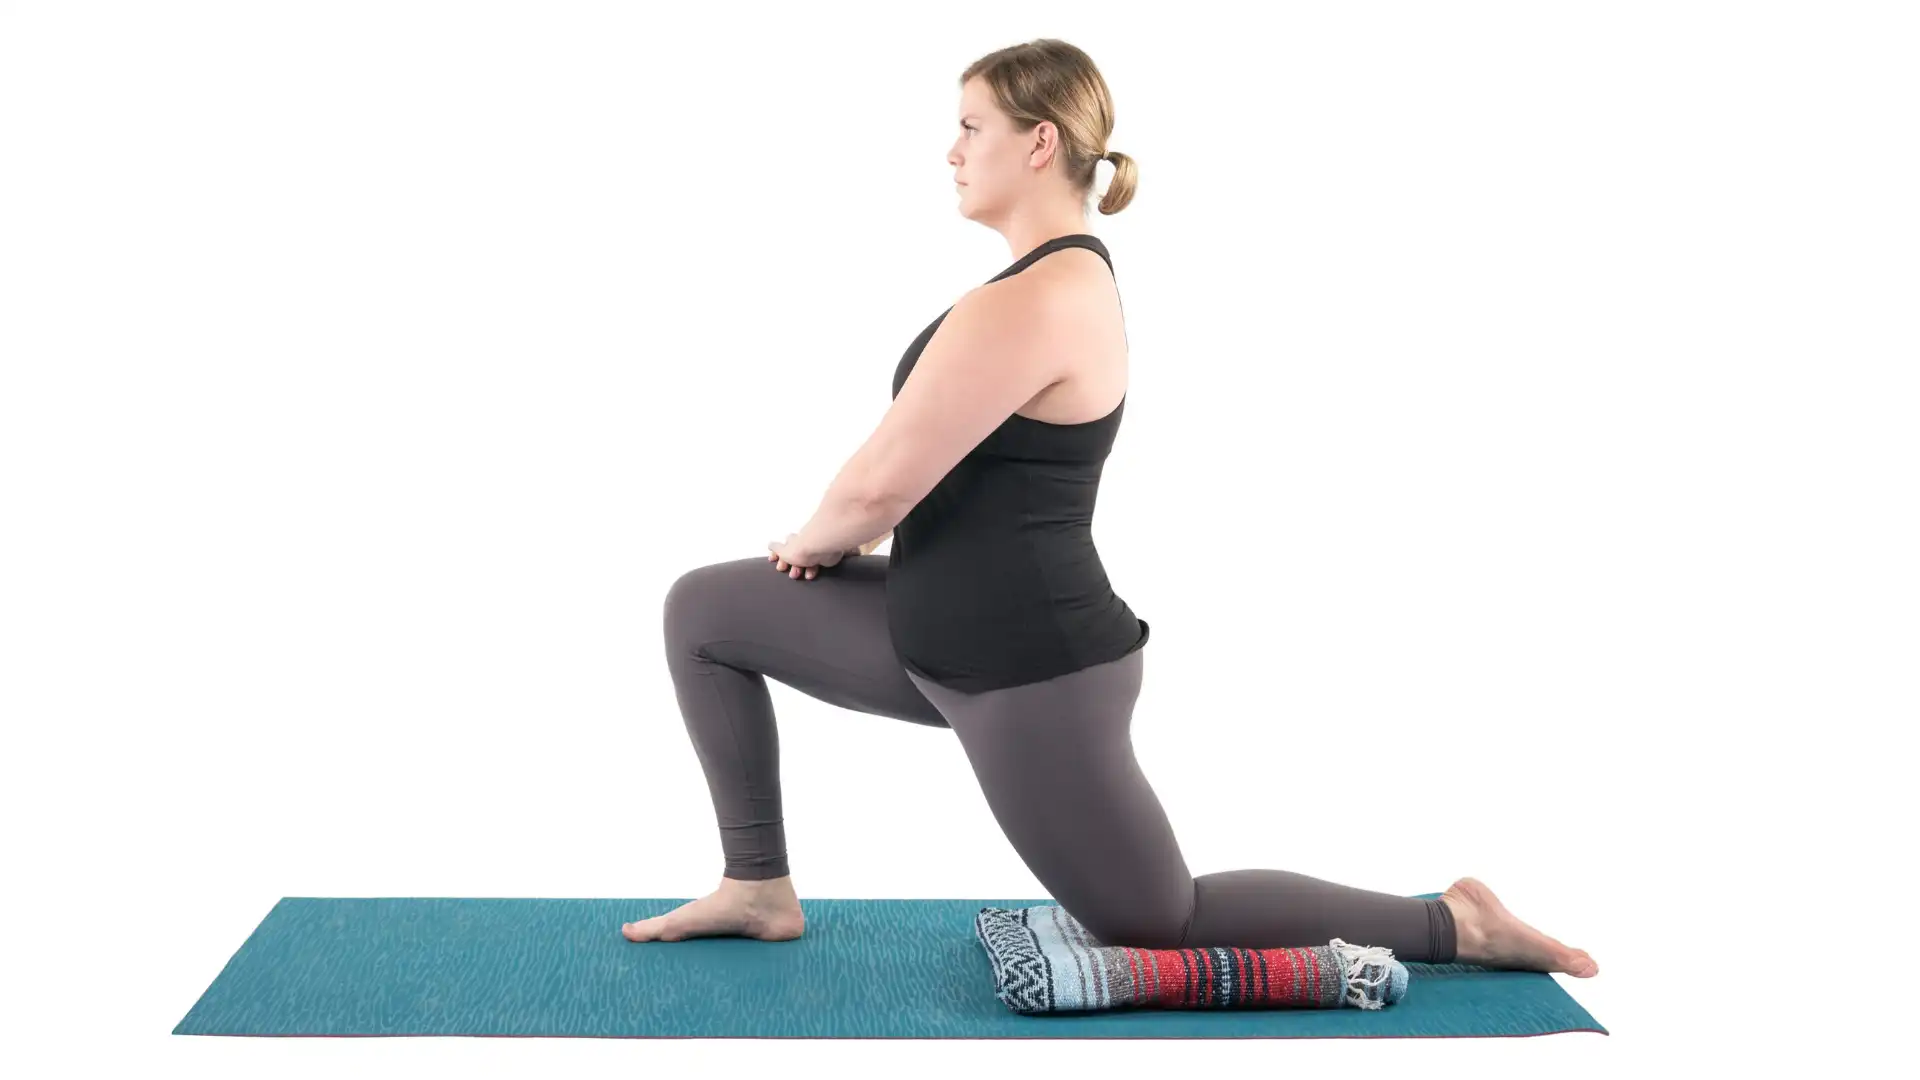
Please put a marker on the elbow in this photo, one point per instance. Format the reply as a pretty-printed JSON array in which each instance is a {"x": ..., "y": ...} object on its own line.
[
  {"x": 880, "y": 500},
  {"x": 879, "y": 488}
]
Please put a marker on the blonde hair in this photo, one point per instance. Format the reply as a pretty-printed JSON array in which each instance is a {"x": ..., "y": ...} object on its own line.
[{"x": 1048, "y": 79}]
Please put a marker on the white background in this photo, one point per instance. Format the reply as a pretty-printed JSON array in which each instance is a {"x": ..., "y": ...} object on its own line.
[{"x": 1517, "y": 473}]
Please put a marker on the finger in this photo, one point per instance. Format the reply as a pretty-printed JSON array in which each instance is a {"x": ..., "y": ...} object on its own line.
[{"x": 812, "y": 572}]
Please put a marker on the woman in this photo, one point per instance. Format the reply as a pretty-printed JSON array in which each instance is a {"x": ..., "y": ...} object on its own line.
[{"x": 992, "y": 615}]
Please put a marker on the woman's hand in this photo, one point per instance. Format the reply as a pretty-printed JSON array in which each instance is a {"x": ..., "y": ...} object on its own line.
[{"x": 797, "y": 562}]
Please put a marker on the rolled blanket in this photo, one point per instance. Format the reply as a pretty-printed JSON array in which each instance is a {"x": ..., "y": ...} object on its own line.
[{"x": 1045, "y": 961}]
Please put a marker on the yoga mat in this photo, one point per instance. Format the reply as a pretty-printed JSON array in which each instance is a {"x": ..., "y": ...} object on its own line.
[{"x": 864, "y": 969}]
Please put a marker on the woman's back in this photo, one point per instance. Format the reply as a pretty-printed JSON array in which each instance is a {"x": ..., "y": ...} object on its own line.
[{"x": 993, "y": 578}]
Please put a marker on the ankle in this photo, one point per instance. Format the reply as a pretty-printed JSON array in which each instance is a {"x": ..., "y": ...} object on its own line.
[
  {"x": 782, "y": 885},
  {"x": 1469, "y": 932}
]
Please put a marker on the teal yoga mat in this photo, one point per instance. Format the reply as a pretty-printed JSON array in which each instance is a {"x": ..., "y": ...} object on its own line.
[{"x": 864, "y": 969}]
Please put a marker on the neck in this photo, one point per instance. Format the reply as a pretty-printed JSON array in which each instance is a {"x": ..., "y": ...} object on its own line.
[{"x": 1028, "y": 231}]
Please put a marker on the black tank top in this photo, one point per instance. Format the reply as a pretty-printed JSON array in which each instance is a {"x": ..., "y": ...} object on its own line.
[{"x": 993, "y": 580}]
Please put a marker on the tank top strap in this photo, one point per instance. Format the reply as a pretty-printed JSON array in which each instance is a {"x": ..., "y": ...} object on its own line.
[{"x": 1084, "y": 240}]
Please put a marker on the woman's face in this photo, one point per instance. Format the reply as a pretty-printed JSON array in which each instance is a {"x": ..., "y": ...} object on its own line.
[{"x": 989, "y": 158}]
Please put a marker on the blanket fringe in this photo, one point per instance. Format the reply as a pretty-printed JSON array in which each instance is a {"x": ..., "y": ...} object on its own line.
[{"x": 1357, "y": 957}]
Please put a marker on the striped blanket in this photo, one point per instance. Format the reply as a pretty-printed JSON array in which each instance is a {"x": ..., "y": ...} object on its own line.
[{"x": 1045, "y": 961}]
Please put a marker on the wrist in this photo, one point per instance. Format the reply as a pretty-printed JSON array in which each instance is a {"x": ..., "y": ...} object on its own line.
[{"x": 807, "y": 545}]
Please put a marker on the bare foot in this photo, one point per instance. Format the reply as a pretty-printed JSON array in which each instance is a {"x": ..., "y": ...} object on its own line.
[
  {"x": 767, "y": 910},
  {"x": 1487, "y": 934}
]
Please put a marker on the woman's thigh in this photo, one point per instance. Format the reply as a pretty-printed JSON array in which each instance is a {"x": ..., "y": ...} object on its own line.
[
  {"x": 1055, "y": 761},
  {"x": 826, "y": 637}
]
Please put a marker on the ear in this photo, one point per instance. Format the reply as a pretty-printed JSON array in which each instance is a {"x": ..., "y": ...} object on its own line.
[{"x": 1047, "y": 142}]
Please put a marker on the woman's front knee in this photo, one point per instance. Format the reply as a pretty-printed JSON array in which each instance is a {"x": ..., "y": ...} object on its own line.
[
  {"x": 714, "y": 575},
  {"x": 693, "y": 598}
]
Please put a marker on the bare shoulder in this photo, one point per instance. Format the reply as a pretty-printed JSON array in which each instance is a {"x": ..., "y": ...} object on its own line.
[
  {"x": 1064, "y": 312},
  {"x": 1071, "y": 281}
]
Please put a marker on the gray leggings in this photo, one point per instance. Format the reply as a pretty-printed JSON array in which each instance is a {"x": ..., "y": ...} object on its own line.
[{"x": 1054, "y": 759}]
